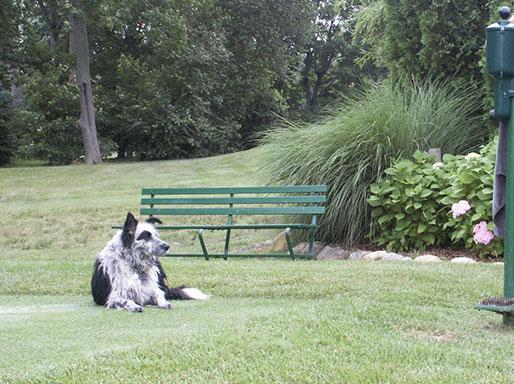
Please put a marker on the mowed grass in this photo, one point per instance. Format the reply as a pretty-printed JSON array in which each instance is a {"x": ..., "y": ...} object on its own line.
[{"x": 269, "y": 321}]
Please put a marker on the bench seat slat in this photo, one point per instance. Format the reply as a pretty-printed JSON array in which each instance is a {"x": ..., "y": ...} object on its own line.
[
  {"x": 236, "y": 190},
  {"x": 313, "y": 210},
  {"x": 235, "y": 200}
]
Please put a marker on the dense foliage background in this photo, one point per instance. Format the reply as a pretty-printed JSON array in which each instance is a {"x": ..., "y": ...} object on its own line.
[{"x": 173, "y": 79}]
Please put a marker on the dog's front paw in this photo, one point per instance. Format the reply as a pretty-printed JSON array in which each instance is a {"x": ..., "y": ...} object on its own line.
[
  {"x": 134, "y": 308},
  {"x": 165, "y": 305}
]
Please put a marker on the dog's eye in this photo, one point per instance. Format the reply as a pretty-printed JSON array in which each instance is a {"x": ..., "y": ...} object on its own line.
[{"x": 145, "y": 235}]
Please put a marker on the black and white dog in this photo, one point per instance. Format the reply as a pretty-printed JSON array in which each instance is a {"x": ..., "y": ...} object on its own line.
[{"x": 128, "y": 275}]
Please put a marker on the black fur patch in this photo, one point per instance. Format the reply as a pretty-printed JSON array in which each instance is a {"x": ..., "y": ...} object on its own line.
[
  {"x": 153, "y": 220},
  {"x": 129, "y": 230},
  {"x": 145, "y": 235},
  {"x": 100, "y": 285},
  {"x": 170, "y": 293},
  {"x": 178, "y": 293}
]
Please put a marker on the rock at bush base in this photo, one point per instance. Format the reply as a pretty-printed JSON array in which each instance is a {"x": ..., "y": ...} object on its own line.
[
  {"x": 395, "y": 257},
  {"x": 303, "y": 248},
  {"x": 357, "y": 255},
  {"x": 463, "y": 260},
  {"x": 377, "y": 255},
  {"x": 332, "y": 253},
  {"x": 428, "y": 259}
]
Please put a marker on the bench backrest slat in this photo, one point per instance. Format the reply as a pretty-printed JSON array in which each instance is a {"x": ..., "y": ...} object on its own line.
[
  {"x": 313, "y": 210},
  {"x": 236, "y": 190},
  {"x": 267, "y": 200},
  {"x": 234, "y": 200}
]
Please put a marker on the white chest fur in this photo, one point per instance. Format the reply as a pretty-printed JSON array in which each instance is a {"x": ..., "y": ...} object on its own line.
[{"x": 128, "y": 283}]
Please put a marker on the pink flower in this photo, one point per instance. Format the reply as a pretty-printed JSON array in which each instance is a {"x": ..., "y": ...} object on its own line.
[
  {"x": 482, "y": 234},
  {"x": 460, "y": 208}
]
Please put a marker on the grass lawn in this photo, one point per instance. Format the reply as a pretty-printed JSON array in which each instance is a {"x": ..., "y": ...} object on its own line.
[{"x": 269, "y": 321}]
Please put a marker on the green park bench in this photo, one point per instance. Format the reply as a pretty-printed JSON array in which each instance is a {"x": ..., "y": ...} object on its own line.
[{"x": 301, "y": 204}]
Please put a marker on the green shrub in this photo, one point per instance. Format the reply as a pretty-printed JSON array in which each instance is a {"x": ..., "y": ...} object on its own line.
[
  {"x": 351, "y": 147},
  {"x": 412, "y": 205},
  {"x": 406, "y": 213},
  {"x": 48, "y": 124},
  {"x": 470, "y": 178}
]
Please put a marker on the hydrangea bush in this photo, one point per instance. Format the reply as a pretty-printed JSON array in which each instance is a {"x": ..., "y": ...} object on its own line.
[{"x": 421, "y": 203}]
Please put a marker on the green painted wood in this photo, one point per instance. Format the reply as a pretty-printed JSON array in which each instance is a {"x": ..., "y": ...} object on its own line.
[
  {"x": 235, "y": 190},
  {"x": 313, "y": 210},
  {"x": 222, "y": 227},
  {"x": 235, "y": 200}
]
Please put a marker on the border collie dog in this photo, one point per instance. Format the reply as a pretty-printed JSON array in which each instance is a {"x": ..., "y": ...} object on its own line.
[{"x": 127, "y": 272}]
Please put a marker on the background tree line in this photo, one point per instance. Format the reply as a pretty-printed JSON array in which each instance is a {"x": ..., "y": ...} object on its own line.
[
  {"x": 171, "y": 79},
  {"x": 175, "y": 79}
]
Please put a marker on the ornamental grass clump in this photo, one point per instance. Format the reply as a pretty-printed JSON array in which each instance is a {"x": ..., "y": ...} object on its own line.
[{"x": 351, "y": 146}]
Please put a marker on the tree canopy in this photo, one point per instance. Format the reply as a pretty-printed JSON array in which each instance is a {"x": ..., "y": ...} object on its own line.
[{"x": 176, "y": 79}]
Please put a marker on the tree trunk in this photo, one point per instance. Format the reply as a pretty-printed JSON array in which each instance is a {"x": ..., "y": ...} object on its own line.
[
  {"x": 308, "y": 62},
  {"x": 53, "y": 21},
  {"x": 79, "y": 47}
]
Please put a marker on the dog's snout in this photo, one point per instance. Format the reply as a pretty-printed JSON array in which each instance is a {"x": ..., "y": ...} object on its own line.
[{"x": 166, "y": 246}]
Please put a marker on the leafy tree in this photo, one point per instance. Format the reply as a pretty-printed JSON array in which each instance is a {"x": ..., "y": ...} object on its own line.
[
  {"x": 438, "y": 39},
  {"x": 266, "y": 39},
  {"x": 50, "y": 130},
  {"x": 176, "y": 79},
  {"x": 6, "y": 116},
  {"x": 79, "y": 49},
  {"x": 43, "y": 55},
  {"x": 330, "y": 54}
]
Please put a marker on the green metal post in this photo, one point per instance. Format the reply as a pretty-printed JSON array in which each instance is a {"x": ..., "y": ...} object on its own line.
[
  {"x": 227, "y": 238},
  {"x": 508, "y": 280},
  {"x": 500, "y": 64},
  {"x": 311, "y": 237},
  {"x": 287, "y": 233},
  {"x": 202, "y": 243}
]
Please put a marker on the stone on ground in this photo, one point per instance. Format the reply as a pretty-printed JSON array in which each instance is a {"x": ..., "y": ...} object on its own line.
[
  {"x": 332, "y": 253},
  {"x": 390, "y": 256},
  {"x": 303, "y": 248},
  {"x": 428, "y": 259},
  {"x": 463, "y": 260},
  {"x": 358, "y": 254},
  {"x": 377, "y": 255}
]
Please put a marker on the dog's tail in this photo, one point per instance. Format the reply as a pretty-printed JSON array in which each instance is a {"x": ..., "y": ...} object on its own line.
[{"x": 185, "y": 293}]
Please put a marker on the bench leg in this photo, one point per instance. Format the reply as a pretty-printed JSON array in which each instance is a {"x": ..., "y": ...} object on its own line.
[
  {"x": 312, "y": 232},
  {"x": 227, "y": 241},
  {"x": 202, "y": 243},
  {"x": 289, "y": 242},
  {"x": 311, "y": 244}
]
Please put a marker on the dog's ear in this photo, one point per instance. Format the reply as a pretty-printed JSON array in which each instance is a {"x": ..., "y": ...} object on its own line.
[
  {"x": 129, "y": 230},
  {"x": 153, "y": 220}
]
